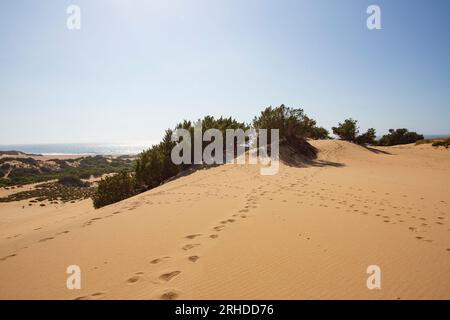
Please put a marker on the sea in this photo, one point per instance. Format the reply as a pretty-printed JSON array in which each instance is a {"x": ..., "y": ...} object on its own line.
[
  {"x": 100, "y": 148},
  {"x": 77, "y": 148}
]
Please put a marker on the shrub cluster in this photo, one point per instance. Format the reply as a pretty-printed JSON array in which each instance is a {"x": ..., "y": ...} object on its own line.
[
  {"x": 437, "y": 142},
  {"x": 33, "y": 171},
  {"x": 72, "y": 181},
  {"x": 291, "y": 122},
  {"x": 113, "y": 189},
  {"x": 154, "y": 166},
  {"x": 349, "y": 131},
  {"x": 399, "y": 136},
  {"x": 442, "y": 143}
]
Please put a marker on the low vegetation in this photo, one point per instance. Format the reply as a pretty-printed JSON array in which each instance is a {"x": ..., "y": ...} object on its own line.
[
  {"x": 53, "y": 192},
  {"x": 399, "y": 136},
  {"x": 114, "y": 188},
  {"x": 437, "y": 142},
  {"x": 21, "y": 171},
  {"x": 349, "y": 131},
  {"x": 294, "y": 128},
  {"x": 72, "y": 181},
  {"x": 367, "y": 138}
]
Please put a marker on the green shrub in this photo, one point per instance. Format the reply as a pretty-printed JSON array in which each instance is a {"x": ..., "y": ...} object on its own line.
[
  {"x": 114, "y": 189},
  {"x": 72, "y": 181},
  {"x": 348, "y": 130},
  {"x": 84, "y": 175},
  {"x": 294, "y": 127},
  {"x": 399, "y": 136},
  {"x": 367, "y": 138},
  {"x": 155, "y": 165},
  {"x": 290, "y": 122},
  {"x": 319, "y": 133},
  {"x": 442, "y": 143}
]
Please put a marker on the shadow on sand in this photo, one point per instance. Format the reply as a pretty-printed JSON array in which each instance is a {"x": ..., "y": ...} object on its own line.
[
  {"x": 377, "y": 151},
  {"x": 292, "y": 158}
]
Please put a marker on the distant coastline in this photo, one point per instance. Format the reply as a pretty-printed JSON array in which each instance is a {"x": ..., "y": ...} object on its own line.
[
  {"x": 81, "y": 149},
  {"x": 87, "y": 149}
]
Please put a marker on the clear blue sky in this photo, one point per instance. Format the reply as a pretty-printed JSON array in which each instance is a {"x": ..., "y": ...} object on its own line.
[{"x": 138, "y": 67}]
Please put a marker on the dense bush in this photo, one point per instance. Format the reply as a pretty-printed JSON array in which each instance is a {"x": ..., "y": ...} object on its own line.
[
  {"x": 319, "y": 133},
  {"x": 437, "y": 142},
  {"x": 348, "y": 130},
  {"x": 114, "y": 189},
  {"x": 155, "y": 165},
  {"x": 4, "y": 168},
  {"x": 294, "y": 127},
  {"x": 399, "y": 136},
  {"x": 19, "y": 172},
  {"x": 84, "y": 175},
  {"x": 29, "y": 161},
  {"x": 72, "y": 181},
  {"x": 291, "y": 122},
  {"x": 369, "y": 137},
  {"x": 38, "y": 170},
  {"x": 442, "y": 143}
]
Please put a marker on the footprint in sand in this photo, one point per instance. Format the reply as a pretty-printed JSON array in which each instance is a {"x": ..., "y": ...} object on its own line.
[
  {"x": 214, "y": 236},
  {"x": 7, "y": 257},
  {"x": 193, "y": 258},
  {"x": 218, "y": 228},
  {"x": 169, "y": 295},
  {"x": 169, "y": 275},
  {"x": 158, "y": 260},
  {"x": 193, "y": 236},
  {"x": 189, "y": 246},
  {"x": 46, "y": 239},
  {"x": 134, "y": 279},
  {"x": 97, "y": 294}
]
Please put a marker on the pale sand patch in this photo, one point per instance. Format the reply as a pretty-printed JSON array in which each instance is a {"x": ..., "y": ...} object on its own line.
[{"x": 304, "y": 233}]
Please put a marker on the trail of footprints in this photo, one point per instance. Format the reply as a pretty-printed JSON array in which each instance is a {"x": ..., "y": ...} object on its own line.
[
  {"x": 188, "y": 251},
  {"x": 352, "y": 201}
]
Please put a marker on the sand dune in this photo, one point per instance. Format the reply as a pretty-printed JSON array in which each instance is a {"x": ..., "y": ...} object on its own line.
[{"x": 229, "y": 233}]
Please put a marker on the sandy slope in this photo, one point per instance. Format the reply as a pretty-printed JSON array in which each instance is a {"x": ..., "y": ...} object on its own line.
[{"x": 228, "y": 232}]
